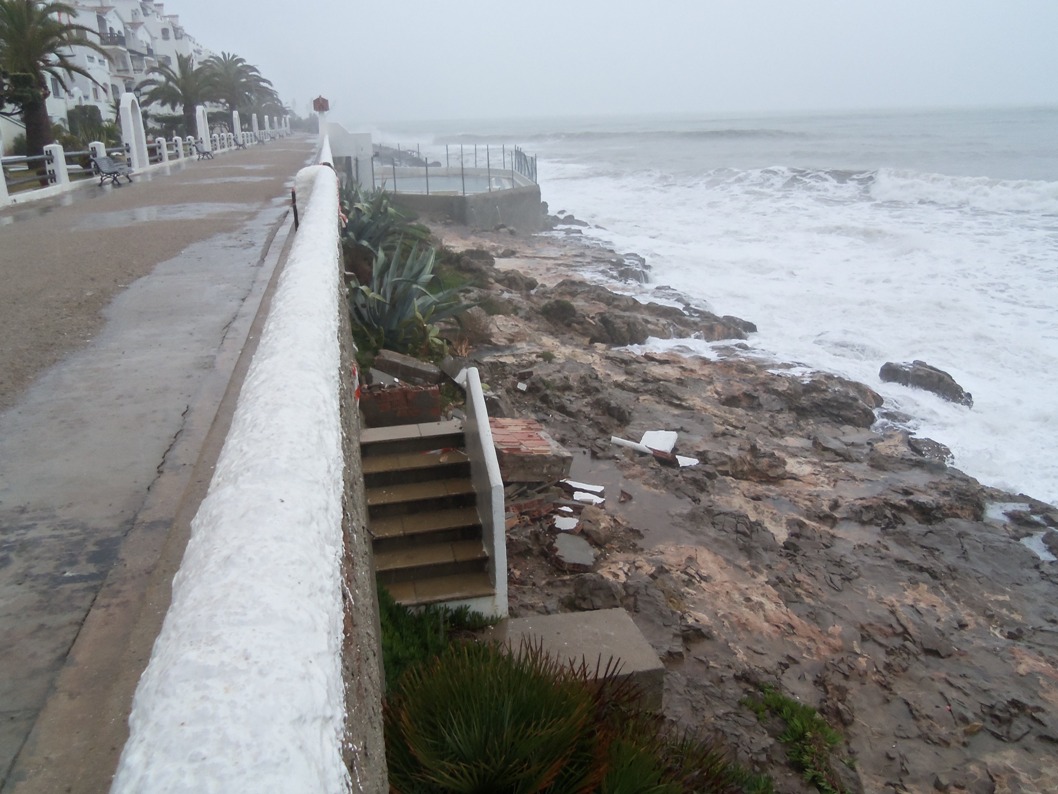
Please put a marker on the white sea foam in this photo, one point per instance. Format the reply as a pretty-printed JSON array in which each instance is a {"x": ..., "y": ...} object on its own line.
[{"x": 844, "y": 268}]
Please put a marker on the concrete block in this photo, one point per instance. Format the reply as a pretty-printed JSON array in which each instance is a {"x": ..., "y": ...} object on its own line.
[
  {"x": 406, "y": 368},
  {"x": 604, "y": 634}
]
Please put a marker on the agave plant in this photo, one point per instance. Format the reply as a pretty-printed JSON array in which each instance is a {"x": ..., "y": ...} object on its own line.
[
  {"x": 373, "y": 225},
  {"x": 397, "y": 307}
]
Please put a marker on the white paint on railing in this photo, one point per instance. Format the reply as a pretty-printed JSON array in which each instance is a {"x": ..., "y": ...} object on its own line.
[{"x": 244, "y": 690}]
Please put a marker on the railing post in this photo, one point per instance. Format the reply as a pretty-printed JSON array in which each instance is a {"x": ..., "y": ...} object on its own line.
[
  {"x": 462, "y": 170},
  {"x": 393, "y": 162},
  {"x": 56, "y": 164},
  {"x": 427, "y": 161},
  {"x": 163, "y": 149},
  {"x": 488, "y": 167},
  {"x": 448, "y": 163},
  {"x": 178, "y": 147},
  {"x": 4, "y": 196}
]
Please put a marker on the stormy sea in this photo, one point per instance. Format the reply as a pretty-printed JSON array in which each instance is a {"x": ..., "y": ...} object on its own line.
[{"x": 850, "y": 240}]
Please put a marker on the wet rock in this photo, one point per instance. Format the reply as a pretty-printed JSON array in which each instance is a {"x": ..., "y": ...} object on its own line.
[
  {"x": 559, "y": 311},
  {"x": 834, "y": 400},
  {"x": 515, "y": 280},
  {"x": 920, "y": 375},
  {"x": 593, "y": 591},
  {"x": 1050, "y": 540}
]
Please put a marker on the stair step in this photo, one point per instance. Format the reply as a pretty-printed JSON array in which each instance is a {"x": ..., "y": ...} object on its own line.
[
  {"x": 403, "y": 493},
  {"x": 459, "y": 587},
  {"x": 410, "y": 438},
  {"x": 408, "y": 467},
  {"x": 413, "y": 524},
  {"x": 430, "y": 555}
]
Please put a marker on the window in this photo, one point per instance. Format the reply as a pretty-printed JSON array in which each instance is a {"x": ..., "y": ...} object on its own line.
[
  {"x": 165, "y": 34},
  {"x": 56, "y": 88},
  {"x": 165, "y": 60},
  {"x": 95, "y": 93}
]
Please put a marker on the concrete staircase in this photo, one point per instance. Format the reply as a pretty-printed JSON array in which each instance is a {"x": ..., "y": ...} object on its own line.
[{"x": 422, "y": 513}]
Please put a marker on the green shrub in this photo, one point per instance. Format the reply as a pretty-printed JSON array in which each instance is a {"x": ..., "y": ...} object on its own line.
[
  {"x": 413, "y": 637},
  {"x": 479, "y": 719},
  {"x": 808, "y": 737}
]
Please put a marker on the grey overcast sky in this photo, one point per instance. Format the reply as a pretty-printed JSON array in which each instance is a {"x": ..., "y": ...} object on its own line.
[{"x": 392, "y": 60}]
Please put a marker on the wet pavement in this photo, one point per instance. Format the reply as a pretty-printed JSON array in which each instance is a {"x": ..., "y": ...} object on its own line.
[{"x": 101, "y": 456}]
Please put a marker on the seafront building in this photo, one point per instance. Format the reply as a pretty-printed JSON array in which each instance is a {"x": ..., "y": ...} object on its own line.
[{"x": 136, "y": 36}]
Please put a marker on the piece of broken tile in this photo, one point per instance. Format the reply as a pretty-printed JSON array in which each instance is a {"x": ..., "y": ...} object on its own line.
[
  {"x": 686, "y": 461},
  {"x": 583, "y": 486}
]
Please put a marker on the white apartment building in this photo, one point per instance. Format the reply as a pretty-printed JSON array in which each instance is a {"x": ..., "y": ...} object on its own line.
[{"x": 136, "y": 36}]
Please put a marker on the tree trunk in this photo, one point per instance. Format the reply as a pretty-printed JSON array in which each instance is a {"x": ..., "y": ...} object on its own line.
[
  {"x": 38, "y": 127},
  {"x": 38, "y": 132},
  {"x": 190, "y": 121}
]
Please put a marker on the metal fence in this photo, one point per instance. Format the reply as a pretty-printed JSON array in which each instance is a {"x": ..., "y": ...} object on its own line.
[{"x": 452, "y": 170}]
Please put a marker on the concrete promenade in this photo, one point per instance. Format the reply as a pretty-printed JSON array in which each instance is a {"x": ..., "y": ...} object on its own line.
[{"x": 109, "y": 428}]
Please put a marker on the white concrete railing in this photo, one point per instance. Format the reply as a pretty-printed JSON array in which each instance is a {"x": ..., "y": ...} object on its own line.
[
  {"x": 244, "y": 690},
  {"x": 488, "y": 485}
]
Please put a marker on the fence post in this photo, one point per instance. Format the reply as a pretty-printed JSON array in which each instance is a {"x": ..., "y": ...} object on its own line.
[
  {"x": 393, "y": 161},
  {"x": 427, "y": 161},
  {"x": 462, "y": 170},
  {"x": 488, "y": 167},
  {"x": 56, "y": 164},
  {"x": 448, "y": 163},
  {"x": 4, "y": 196}
]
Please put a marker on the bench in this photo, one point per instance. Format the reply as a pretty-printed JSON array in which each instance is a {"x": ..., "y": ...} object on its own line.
[
  {"x": 109, "y": 168},
  {"x": 203, "y": 152}
]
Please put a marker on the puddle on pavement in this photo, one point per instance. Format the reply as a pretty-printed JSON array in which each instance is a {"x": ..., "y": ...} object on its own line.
[
  {"x": 157, "y": 212},
  {"x": 647, "y": 510},
  {"x": 227, "y": 180}
]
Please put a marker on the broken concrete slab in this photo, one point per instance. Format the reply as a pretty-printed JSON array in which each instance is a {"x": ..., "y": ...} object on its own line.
[{"x": 573, "y": 553}]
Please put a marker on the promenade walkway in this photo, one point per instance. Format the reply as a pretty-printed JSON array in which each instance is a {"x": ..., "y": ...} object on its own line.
[{"x": 108, "y": 427}]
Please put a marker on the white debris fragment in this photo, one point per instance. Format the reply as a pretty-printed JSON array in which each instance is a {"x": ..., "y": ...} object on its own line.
[
  {"x": 587, "y": 498},
  {"x": 566, "y": 523},
  {"x": 686, "y": 461},
  {"x": 660, "y": 440},
  {"x": 583, "y": 486}
]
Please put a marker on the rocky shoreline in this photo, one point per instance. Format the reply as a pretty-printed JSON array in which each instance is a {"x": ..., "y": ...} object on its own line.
[{"x": 816, "y": 547}]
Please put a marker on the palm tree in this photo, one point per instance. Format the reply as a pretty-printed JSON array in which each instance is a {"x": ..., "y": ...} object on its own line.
[
  {"x": 182, "y": 88},
  {"x": 36, "y": 45},
  {"x": 237, "y": 84}
]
